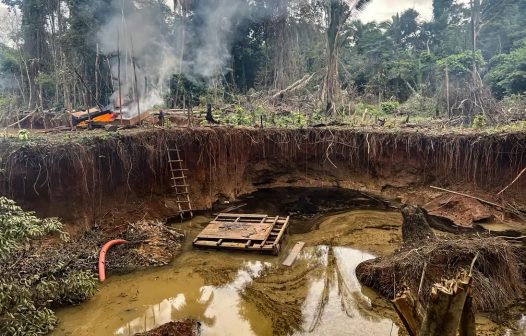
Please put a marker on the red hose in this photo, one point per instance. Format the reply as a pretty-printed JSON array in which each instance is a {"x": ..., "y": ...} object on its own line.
[{"x": 102, "y": 256}]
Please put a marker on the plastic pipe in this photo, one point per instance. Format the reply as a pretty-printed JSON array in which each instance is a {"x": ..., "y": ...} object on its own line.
[{"x": 102, "y": 256}]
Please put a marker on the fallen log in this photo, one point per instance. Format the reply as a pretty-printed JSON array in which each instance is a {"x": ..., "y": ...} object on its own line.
[
  {"x": 21, "y": 120},
  {"x": 295, "y": 86},
  {"x": 449, "y": 310}
]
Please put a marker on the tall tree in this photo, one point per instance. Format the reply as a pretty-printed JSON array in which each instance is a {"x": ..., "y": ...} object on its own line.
[{"x": 338, "y": 12}]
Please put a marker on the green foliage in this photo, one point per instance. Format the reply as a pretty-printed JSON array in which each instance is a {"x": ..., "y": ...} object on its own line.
[
  {"x": 294, "y": 119},
  {"x": 519, "y": 126},
  {"x": 70, "y": 288},
  {"x": 507, "y": 74},
  {"x": 420, "y": 105},
  {"x": 239, "y": 117},
  {"x": 5, "y": 102},
  {"x": 18, "y": 227},
  {"x": 389, "y": 107},
  {"x": 515, "y": 105},
  {"x": 362, "y": 108},
  {"x": 26, "y": 297},
  {"x": 460, "y": 64},
  {"x": 8, "y": 60},
  {"x": 46, "y": 80},
  {"x": 479, "y": 122},
  {"x": 270, "y": 46}
]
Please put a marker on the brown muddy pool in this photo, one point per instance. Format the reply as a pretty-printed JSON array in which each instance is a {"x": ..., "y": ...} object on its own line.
[{"x": 234, "y": 293}]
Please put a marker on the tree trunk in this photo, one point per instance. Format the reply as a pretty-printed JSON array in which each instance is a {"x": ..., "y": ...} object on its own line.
[
  {"x": 450, "y": 310},
  {"x": 336, "y": 15},
  {"x": 97, "y": 91},
  {"x": 467, "y": 322}
]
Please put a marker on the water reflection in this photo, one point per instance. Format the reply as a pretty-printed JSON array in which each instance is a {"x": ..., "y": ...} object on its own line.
[
  {"x": 335, "y": 303},
  {"x": 216, "y": 307}
]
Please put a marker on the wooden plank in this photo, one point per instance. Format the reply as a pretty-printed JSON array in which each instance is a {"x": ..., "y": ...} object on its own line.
[
  {"x": 294, "y": 253},
  {"x": 239, "y": 231},
  {"x": 283, "y": 229},
  {"x": 241, "y": 215},
  {"x": 232, "y": 246},
  {"x": 270, "y": 231}
]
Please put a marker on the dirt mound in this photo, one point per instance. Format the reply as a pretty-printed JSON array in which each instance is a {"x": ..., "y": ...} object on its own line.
[
  {"x": 180, "y": 328},
  {"x": 499, "y": 272},
  {"x": 460, "y": 210}
]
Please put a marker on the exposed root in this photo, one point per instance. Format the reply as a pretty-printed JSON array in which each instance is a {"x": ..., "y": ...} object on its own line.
[
  {"x": 498, "y": 274},
  {"x": 222, "y": 159}
]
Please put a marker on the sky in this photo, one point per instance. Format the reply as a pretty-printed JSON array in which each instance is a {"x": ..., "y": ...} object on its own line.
[
  {"x": 381, "y": 10},
  {"x": 378, "y": 10}
]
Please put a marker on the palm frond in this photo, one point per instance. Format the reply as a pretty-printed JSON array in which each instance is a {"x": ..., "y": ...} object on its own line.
[{"x": 361, "y": 4}]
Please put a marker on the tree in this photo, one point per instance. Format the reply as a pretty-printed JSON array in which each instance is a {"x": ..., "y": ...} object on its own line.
[
  {"x": 338, "y": 12},
  {"x": 507, "y": 74}
]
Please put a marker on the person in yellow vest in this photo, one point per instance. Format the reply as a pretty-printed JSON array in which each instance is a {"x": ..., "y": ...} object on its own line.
[{"x": 23, "y": 135}]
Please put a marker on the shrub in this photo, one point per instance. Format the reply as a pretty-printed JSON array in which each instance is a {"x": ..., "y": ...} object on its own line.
[
  {"x": 479, "y": 122},
  {"x": 420, "y": 105},
  {"x": 27, "y": 295},
  {"x": 389, "y": 107}
]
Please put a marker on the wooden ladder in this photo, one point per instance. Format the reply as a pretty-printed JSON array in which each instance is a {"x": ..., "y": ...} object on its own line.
[{"x": 179, "y": 183}]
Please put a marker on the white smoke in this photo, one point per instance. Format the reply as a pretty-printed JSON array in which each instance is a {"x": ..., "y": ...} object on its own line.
[
  {"x": 216, "y": 35},
  {"x": 138, "y": 35}
]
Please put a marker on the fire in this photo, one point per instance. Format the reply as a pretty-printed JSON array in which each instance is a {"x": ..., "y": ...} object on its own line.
[{"x": 105, "y": 118}]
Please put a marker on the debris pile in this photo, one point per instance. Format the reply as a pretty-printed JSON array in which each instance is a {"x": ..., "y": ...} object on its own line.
[
  {"x": 498, "y": 273},
  {"x": 179, "y": 328},
  {"x": 151, "y": 244}
]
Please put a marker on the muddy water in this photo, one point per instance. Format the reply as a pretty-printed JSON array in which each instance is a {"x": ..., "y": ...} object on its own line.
[{"x": 252, "y": 294}]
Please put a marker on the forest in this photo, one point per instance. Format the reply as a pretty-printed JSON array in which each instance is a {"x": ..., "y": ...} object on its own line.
[{"x": 312, "y": 56}]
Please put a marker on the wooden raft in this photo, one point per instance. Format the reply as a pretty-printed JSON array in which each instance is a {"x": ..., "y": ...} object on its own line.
[{"x": 244, "y": 232}]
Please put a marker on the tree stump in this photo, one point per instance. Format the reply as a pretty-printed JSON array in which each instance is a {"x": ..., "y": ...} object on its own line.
[
  {"x": 450, "y": 310},
  {"x": 415, "y": 228},
  {"x": 446, "y": 307}
]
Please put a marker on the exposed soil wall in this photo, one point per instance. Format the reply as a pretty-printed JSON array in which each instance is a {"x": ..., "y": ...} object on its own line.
[{"x": 93, "y": 178}]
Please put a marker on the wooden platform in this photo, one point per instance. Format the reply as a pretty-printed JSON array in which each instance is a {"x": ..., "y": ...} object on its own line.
[{"x": 249, "y": 232}]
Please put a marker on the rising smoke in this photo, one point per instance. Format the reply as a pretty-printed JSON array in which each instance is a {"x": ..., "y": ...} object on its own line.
[{"x": 143, "y": 37}]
